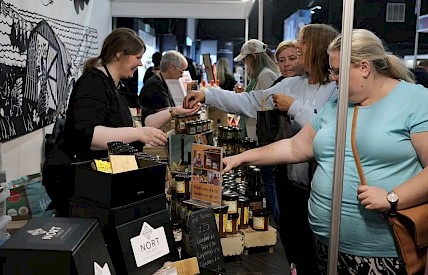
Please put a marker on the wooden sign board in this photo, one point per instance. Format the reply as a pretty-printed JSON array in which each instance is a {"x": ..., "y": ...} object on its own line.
[{"x": 205, "y": 239}]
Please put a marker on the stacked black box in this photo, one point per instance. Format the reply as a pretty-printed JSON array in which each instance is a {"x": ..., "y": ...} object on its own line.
[
  {"x": 122, "y": 202},
  {"x": 55, "y": 246}
]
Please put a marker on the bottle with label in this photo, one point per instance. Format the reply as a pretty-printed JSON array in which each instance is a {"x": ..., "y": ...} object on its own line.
[
  {"x": 256, "y": 197},
  {"x": 177, "y": 231}
]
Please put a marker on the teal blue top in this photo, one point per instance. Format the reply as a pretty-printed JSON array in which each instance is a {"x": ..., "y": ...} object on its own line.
[{"x": 388, "y": 159}]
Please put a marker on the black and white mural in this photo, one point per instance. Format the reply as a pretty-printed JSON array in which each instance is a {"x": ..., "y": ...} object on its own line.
[{"x": 40, "y": 59}]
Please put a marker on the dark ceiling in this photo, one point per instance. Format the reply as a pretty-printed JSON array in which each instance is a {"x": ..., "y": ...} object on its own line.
[{"x": 370, "y": 14}]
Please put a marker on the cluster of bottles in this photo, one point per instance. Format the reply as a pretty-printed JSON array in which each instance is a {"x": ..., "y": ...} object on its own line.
[
  {"x": 229, "y": 139},
  {"x": 242, "y": 202}
]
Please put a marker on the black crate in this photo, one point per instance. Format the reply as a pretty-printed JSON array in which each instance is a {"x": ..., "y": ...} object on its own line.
[
  {"x": 55, "y": 246},
  {"x": 84, "y": 208},
  {"x": 119, "y": 189}
]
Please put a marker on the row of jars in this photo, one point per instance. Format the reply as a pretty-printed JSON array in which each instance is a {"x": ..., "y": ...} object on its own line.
[{"x": 184, "y": 125}]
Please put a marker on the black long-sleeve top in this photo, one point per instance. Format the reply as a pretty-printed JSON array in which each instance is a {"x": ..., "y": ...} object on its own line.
[{"x": 94, "y": 101}]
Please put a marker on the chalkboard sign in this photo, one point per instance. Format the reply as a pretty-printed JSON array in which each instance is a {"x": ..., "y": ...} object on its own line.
[{"x": 205, "y": 239}]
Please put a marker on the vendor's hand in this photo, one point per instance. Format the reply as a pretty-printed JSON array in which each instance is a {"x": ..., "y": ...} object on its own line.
[
  {"x": 193, "y": 98},
  {"x": 178, "y": 110},
  {"x": 239, "y": 88},
  {"x": 152, "y": 136},
  {"x": 373, "y": 198},
  {"x": 231, "y": 162},
  {"x": 282, "y": 102}
]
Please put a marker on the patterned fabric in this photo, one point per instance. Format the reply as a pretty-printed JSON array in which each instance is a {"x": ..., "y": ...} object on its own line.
[{"x": 354, "y": 265}]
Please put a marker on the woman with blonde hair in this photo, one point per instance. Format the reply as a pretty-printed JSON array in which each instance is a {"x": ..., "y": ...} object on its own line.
[{"x": 224, "y": 75}]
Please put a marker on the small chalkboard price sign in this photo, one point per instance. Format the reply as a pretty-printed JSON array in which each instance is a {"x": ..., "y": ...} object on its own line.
[{"x": 205, "y": 239}]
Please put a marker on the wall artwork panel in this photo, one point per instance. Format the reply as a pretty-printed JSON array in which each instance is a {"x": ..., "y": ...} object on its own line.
[{"x": 42, "y": 48}]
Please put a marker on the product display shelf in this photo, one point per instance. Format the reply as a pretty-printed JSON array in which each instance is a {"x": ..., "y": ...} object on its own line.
[{"x": 253, "y": 238}]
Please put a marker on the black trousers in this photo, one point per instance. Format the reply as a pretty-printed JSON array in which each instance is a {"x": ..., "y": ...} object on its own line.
[{"x": 295, "y": 233}]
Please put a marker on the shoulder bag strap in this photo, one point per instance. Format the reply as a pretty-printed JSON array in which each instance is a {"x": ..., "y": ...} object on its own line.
[{"x": 354, "y": 146}]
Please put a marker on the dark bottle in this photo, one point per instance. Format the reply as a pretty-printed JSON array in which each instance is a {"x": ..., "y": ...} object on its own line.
[
  {"x": 256, "y": 197},
  {"x": 177, "y": 231},
  {"x": 250, "y": 182}
]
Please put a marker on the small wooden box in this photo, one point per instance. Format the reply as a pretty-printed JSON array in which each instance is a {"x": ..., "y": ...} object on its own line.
[
  {"x": 254, "y": 238},
  {"x": 232, "y": 245}
]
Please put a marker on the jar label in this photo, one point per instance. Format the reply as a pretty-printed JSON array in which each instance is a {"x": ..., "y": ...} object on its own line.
[
  {"x": 217, "y": 221},
  {"x": 246, "y": 214},
  {"x": 180, "y": 187},
  {"x": 259, "y": 223},
  {"x": 224, "y": 222},
  {"x": 229, "y": 226},
  {"x": 178, "y": 234},
  {"x": 233, "y": 205}
]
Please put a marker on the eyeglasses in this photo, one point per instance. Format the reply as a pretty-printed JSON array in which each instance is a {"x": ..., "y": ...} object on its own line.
[
  {"x": 334, "y": 73},
  {"x": 181, "y": 71}
]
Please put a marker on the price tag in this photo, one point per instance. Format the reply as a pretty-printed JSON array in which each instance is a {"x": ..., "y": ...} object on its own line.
[{"x": 150, "y": 245}]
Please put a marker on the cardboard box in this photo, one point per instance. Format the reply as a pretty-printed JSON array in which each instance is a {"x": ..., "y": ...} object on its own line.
[
  {"x": 55, "y": 246},
  {"x": 120, "y": 189}
]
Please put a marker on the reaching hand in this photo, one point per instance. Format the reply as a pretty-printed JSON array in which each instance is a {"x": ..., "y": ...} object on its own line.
[
  {"x": 231, "y": 162},
  {"x": 152, "y": 136},
  {"x": 193, "y": 98},
  {"x": 178, "y": 110},
  {"x": 373, "y": 198},
  {"x": 282, "y": 101}
]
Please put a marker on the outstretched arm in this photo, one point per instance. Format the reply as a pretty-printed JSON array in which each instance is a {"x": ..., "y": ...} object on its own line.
[{"x": 297, "y": 149}]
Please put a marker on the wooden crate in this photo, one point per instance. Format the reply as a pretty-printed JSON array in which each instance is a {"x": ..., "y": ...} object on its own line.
[
  {"x": 232, "y": 245},
  {"x": 254, "y": 238}
]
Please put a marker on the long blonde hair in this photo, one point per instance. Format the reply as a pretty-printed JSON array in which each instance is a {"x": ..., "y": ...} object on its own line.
[
  {"x": 223, "y": 68},
  {"x": 366, "y": 45},
  {"x": 259, "y": 62},
  {"x": 317, "y": 38}
]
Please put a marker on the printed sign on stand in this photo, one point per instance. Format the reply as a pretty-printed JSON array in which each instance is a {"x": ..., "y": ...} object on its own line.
[
  {"x": 149, "y": 245},
  {"x": 206, "y": 174}
]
